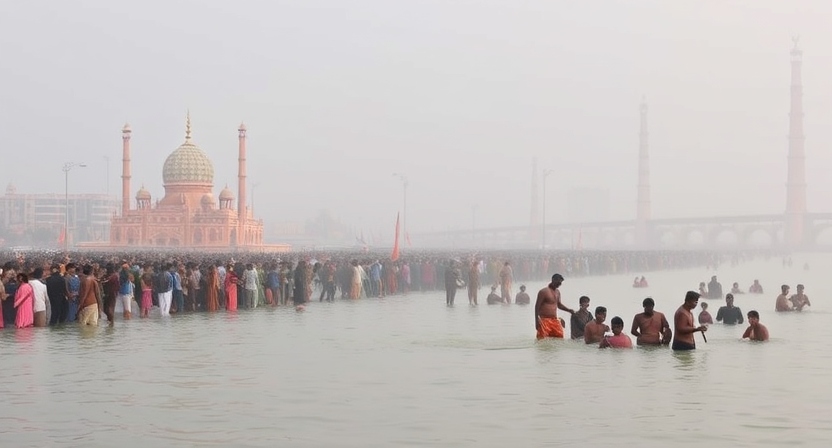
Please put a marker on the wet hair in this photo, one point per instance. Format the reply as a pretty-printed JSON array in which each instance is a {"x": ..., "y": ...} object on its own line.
[
  {"x": 691, "y": 296},
  {"x": 704, "y": 305},
  {"x": 729, "y": 296},
  {"x": 754, "y": 314},
  {"x": 557, "y": 278},
  {"x": 616, "y": 321},
  {"x": 583, "y": 299},
  {"x": 600, "y": 310},
  {"x": 648, "y": 302}
]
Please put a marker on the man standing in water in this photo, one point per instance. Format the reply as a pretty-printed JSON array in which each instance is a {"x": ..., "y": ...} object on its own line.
[
  {"x": 683, "y": 321},
  {"x": 729, "y": 314},
  {"x": 546, "y": 320},
  {"x": 782, "y": 304},
  {"x": 451, "y": 277},
  {"x": 651, "y": 327}
]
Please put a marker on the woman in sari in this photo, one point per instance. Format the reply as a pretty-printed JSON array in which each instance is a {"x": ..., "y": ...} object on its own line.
[
  {"x": 24, "y": 302},
  {"x": 230, "y": 288}
]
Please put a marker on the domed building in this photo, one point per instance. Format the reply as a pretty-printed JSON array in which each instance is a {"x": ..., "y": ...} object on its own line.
[{"x": 188, "y": 215}]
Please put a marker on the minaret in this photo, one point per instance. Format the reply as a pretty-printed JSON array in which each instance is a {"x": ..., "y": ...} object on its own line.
[
  {"x": 125, "y": 169},
  {"x": 534, "y": 221},
  {"x": 796, "y": 177},
  {"x": 643, "y": 198},
  {"x": 241, "y": 187}
]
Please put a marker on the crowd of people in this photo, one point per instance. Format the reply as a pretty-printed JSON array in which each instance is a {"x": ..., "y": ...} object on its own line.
[
  {"x": 43, "y": 288},
  {"x": 650, "y": 328}
]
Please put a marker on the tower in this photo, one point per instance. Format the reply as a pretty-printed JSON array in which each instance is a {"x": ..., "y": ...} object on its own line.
[
  {"x": 534, "y": 221},
  {"x": 125, "y": 169},
  {"x": 643, "y": 198},
  {"x": 796, "y": 175},
  {"x": 241, "y": 187}
]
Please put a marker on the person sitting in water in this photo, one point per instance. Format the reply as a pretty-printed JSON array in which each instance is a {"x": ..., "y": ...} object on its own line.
[
  {"x": 522, "y": 297},
  {"x": 755, "y": 331},
  {"x": 642, "y": 283},
  {"x": 729, "y": 314},
  {"x": 594, "y": 330},
  {"x": 782, "y": 304},
  {"x": 703, "y": 291},
  {"x": 735, "y": 289},
  {"x": 704, "y": 316},
  {"x": 799, "y": 300},
  {"x": 636, "y": 283},
  {"x": 493, "y": 298},
  {"x": 618, "y": 339},
  {"x": 756, "y": 288}
]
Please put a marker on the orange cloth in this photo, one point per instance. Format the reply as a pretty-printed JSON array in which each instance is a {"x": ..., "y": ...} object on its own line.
[{"x": 550, "y": 327}]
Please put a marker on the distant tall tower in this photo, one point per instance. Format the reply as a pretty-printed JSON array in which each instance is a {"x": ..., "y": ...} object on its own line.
[
  {"x": 534, "y": 221},
  {"x": 125, "y": 169},
  {"x": 643, "y": 199},
  {"x": 241, "y": 188},
  {"x": 796, "y": 177}
]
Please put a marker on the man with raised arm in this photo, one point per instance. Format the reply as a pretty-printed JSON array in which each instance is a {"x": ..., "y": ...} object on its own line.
[{"x": 546, "y": 310}]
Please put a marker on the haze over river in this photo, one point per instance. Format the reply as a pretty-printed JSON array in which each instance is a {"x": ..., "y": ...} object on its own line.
[{"x": 408, "y": 371}]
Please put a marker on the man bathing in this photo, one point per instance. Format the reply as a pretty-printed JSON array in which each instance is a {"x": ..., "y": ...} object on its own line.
[
  {"x": 594, "y": 330},
  {"x": 683, "y": 321},
  {"x": 546, "y": 320},
  {"x": 651, "y": 327},
  {"x": 618, "y": 339},
  {"x": 580, "y": 318},
  {"x": 755, "y": 331}
]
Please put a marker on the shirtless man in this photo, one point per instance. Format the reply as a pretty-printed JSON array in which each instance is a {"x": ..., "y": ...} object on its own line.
[
  {"x": 546, "y": 320},
  {"x": 651, "y": 327},
  {"x": 800, "y": 299},
  {"x": 755, "y": 331},
  {"x": 782, "y": 305},
  {"x": 473, "y": 283},
  {"x": 683, "y": 321},
  {"x": 594, "y": 330},
  {"x": 506, "y": 278}
]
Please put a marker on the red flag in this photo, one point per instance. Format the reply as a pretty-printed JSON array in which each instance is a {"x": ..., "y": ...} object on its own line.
[
  {"x": 395, "y": 255},
  {"x": 407, "y": 238},
  {"x": 62, "y": 235}
]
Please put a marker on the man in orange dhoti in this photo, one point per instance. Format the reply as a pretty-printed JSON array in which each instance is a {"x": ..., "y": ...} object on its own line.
[{"x": 546, "y": 310}]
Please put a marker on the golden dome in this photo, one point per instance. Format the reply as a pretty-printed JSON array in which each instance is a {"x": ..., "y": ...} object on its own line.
[
  {"x": 226, "y": 194},
  {"x": 188, "y": 164},
  {"x": 143, "y": 194}
]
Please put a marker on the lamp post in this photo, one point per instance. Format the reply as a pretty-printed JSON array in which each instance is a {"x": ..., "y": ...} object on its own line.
[
  {"x": 403, "y": 178},
  {"x": 253, "y": 188},
  {"x": 474, "y": 225},
  {"x": 67, "y": 167},
  {"x": 546, "y": 174}
]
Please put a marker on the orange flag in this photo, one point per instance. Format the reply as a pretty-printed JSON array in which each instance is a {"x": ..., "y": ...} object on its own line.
[
  {"x": 62, "y": 235},
  {"x": 395, "y": 255}
]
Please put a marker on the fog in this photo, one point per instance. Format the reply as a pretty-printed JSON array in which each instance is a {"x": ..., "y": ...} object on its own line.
[{"x": 459, "y": 96}]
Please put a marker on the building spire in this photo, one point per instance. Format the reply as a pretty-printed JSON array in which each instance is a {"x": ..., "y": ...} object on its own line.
[{"x": 188, "y": 126}]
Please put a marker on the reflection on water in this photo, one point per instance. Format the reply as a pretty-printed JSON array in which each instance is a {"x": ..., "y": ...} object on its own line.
[{"x": 410, "y": 371}]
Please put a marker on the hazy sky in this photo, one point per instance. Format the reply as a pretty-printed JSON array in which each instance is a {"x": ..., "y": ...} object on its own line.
[{"x": 457, "y": 95}]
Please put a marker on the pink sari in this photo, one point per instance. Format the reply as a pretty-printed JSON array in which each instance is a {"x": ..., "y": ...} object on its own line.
[
  {"x": 231, "y": 291},
  {"x": 24, "y": 301}
]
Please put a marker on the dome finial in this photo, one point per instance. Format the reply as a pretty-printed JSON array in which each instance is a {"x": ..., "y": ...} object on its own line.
[{"x": 188, "y": 126}]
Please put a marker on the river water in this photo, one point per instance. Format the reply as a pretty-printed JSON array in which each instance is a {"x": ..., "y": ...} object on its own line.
[{"x": 407, "y": 371}]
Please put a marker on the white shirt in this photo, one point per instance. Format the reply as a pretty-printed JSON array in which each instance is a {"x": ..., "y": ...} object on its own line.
[{"x": 40, "y": 295}]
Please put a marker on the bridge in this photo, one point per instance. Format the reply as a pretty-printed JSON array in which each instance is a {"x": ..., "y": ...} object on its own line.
[{"x": 792, "y": 230}]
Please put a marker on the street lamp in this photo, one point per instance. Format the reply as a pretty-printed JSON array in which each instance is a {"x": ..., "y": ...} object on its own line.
[
  {"x": 67, "y": 167},
  {"x": 253, "y": 188},
  {"x": 403, "y": 178},
  {"x": 546, "y": 174},
  {"x": 474, "y": 225}
]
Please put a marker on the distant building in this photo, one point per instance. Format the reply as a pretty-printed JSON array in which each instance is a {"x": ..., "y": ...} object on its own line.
[
  {"x": 588, "y": 204},
  {"x": 38, "y": 219}
]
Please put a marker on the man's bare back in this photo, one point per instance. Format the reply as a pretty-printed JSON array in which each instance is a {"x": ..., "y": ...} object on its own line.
[{"x": 650, "y": 330}]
